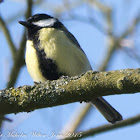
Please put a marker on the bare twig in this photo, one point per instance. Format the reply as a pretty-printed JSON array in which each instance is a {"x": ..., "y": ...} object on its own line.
[
  {"x": 19, "y": 61},
  {"x": 103, "y": 8},
  {"x": 75, "y": 119},
  {"x": 104, "y": 128},
  {"x": 89, "y": 20},
  {"x": 8, "y": 37},
  {"x": 130, "y": 28},
  {"x": 18, "y": 56}
]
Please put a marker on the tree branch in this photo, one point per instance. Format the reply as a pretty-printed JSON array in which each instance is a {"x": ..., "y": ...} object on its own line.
[
  {"x": 18, "y": 56},
  {"x": 68, "y": 90},
  {"x": 19, "y": 61},
  {"x": 8, "y": 37},
  {"x": 104, "y": 128},
  {"x": 130, "y": 28}
]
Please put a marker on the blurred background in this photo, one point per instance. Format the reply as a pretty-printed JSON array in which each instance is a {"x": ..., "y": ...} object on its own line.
[{"x": 108, "y": 32}]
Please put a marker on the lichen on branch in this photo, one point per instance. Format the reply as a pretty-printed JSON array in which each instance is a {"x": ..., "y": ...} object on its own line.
[{"x": 69, "y": 89}]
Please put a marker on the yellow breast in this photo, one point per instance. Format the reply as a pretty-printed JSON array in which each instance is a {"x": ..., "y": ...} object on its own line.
[
  {"x": 32, "y": 63},
  {"x": 69, "y": 58}
]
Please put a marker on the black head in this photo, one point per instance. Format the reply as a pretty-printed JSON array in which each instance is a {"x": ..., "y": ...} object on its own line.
[
  {"x": 39, "y": 17},
  {"x": 41, "y": 21}
]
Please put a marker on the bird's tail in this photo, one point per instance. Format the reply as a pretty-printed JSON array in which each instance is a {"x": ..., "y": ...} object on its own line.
[{"x": 107, "y": 110}]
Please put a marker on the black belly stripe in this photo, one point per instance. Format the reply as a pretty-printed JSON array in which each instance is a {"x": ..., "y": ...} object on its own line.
[{"x": 47, "y": 66}]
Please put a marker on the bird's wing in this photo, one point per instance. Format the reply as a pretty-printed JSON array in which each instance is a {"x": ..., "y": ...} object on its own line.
[{"x": 72, "y": 38}]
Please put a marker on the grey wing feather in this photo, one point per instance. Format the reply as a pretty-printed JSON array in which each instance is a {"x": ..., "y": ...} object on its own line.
[
  {"x": 72, "y": 38},
  {"x": 100, "y": 103},
  {"x": 107, "y": 110}
]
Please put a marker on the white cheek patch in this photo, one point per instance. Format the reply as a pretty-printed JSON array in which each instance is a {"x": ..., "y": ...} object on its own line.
[{"x": 45, "y": 22}]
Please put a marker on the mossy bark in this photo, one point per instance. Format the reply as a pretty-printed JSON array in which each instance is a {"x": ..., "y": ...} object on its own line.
[{"x": 69, "y": 89}]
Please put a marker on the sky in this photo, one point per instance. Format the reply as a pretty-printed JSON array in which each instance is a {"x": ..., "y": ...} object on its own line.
[{"x": 47, "y": 122}]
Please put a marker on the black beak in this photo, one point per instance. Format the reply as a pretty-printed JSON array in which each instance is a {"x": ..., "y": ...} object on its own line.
[{"x": 26, "y": 24}]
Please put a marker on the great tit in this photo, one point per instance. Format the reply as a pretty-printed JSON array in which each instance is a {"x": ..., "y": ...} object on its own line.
[{"x": 52, "y": 51}]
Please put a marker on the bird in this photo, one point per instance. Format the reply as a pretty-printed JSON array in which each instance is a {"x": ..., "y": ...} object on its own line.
[{"x": 52, "y": 52}]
